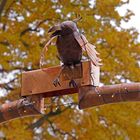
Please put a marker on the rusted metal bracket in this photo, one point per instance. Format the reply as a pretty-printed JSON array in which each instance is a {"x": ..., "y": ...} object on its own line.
[{"x": 41, "y": 81}]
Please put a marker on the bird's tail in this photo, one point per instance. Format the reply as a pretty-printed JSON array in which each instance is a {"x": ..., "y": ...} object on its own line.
[
  {"x": 91, "y": 52},
  {"x": 89, "y": 48}
]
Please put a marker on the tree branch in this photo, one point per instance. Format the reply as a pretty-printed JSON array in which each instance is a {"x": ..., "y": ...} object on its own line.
[
  {"x": 2, "y": 5},
  {"x": 4, "y": 84},
  {"x": 59, "y": 131},
  {"x": 39, "y": 122},
  {"x": 33, "y": 29}
]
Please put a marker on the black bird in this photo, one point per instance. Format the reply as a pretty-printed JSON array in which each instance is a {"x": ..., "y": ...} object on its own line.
[{"x": 70, "y": 45}]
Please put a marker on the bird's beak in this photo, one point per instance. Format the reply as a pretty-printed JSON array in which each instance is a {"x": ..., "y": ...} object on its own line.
[{"x": 54, "y": 28}]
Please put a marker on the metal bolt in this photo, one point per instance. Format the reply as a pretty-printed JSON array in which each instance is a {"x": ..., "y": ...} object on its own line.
[{"x": 113, "y": 95}]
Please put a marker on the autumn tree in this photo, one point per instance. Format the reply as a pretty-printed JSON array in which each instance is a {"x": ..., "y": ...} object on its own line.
[{"x": 23, "y": 33}]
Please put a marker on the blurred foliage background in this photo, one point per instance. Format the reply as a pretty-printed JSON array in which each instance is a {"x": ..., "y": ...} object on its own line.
[{"x": 23, "y": 33}]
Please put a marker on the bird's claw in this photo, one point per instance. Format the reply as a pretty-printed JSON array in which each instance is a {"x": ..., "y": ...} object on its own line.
[
  {"x": 56, "y": 82},
  {"x": 72, "y": 83}
]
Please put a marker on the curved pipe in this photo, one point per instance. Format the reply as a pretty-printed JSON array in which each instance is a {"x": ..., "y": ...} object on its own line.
[
  {"x": 20, "y": 108},
  {"x": 94, "y": 96}
]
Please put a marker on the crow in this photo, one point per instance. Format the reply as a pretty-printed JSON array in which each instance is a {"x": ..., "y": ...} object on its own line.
[{"x": 70, "y": 44}]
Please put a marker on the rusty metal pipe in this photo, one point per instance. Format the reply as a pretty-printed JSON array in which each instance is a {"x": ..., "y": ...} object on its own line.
[
  {"x": 93, "y": 96},
  {"x": 21, "y": 108}
]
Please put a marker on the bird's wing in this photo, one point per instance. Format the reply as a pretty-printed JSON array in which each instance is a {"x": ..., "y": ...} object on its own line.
[
  {"x": 89, "y": 48},
  {"x": 45, "y": 49}
]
